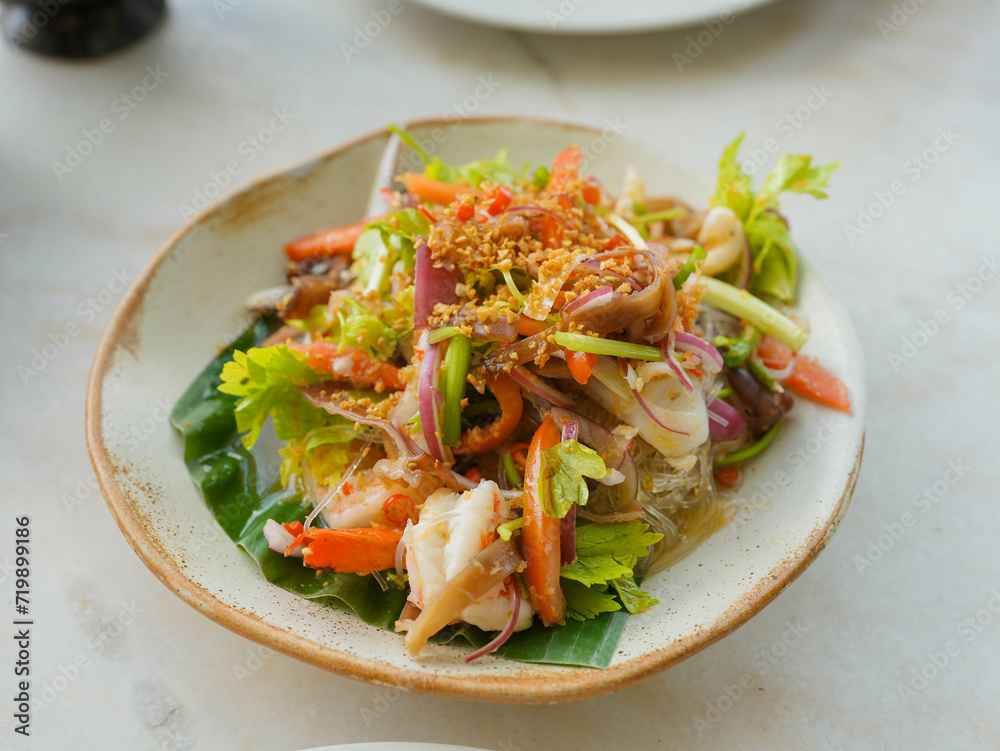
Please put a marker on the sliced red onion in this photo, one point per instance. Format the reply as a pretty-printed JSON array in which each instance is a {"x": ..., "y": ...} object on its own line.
[
  {"x": 570, "y": 430},
  {"x": 685, "y": 342},
  {"x": 432, "y": 285},
  {"x": 668, "y": 354},
  {"x": 598, "y": 297},
  {"x": 401, "y": 547},
  {"x": 327, "y": 395},
  {"x": 412, "y": 447},
  {"x": 526, "y": 380},
  {"x": 594, "y": 267},
  {"x": 430, "y": 401},
  {"x": 280, "y": 539},
  {"x": 646, "y": 408},
  {"x": 504, "y": 635},
  {"x": 724, "y": 421},
  {"x": 567, "y": 533}
]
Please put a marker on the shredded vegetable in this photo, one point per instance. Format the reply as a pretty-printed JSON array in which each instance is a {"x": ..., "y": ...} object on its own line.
[{"x": 514, "y": 360}]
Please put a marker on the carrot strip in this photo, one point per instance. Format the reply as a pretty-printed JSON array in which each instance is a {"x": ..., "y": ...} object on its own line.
[
  {"x": 529, "y": 326},
  {"x": 327, "y": 242},
  {"x": 434, "y": 191},
  {"x": 581, "y": 364},
  {"x": 351, "y": 551},
  {"x": 542, "y": 534}
]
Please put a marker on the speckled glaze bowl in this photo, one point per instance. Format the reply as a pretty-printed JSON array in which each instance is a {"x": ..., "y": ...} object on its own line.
[{"x": 188, "y": 302}]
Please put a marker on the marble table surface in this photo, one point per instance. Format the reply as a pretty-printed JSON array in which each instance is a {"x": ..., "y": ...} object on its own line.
[{"x": 890, "y": 640}]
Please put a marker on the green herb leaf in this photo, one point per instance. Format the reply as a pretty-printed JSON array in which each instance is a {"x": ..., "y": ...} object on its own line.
[
  {"x": 598, "y": 569},
  {"x": 609, "y": 551},
  {"x": 631, "y": 538},
  {"x": 775, "y": 267},
  {"x": 634, "y": 599},
  {"x": 383, "y": 244},
  {"x": 563, "y": 468},
  {"x": 268, "y": 381},
  {"x": 583, "y": 602},
  {"x": 495, "y": 170},
  {"x": 357, "y": 326}
]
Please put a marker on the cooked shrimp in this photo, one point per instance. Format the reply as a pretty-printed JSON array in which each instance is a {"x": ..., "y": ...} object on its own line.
[
  {"x": 453, "y": 529},
  {"x": 722, "y": 237},
  {"x": 363, "y": 498}
]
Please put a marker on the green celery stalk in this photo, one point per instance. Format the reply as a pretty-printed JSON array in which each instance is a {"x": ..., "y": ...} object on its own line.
[
  {"x": 762, "y": 375},
  {"x": 445, "y": 332},
  {"x": 509, "y": 469},
  {"x": 456, "y": 368},
  {"x": 742, "y": 304},
  {"x": 507, "y": 529},
  {"x": 659, "y": 216},
  {"x": 697, "y": 255},
  {"x": 598, "y": 346}
]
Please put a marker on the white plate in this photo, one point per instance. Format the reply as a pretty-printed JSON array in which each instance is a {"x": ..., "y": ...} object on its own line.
[
  {"x": 189, "y": 301},
  {"x": 591, "y": 16}
]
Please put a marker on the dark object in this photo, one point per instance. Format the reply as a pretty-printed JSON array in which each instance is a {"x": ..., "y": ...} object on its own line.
[
  {"x": 765, "y": 407},
  {"x": 309, "y": 291},
  {"x": 78, "y": 28}
]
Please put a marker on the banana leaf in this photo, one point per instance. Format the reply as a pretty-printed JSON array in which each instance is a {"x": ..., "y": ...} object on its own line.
[{"x": 242, "y": 495}]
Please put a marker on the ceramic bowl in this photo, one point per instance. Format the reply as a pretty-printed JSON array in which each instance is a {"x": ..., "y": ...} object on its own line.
[{"x": 188, "y": 302}]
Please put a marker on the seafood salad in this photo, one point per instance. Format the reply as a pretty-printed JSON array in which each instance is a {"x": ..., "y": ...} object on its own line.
[{"x": 515, "y": 394}]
